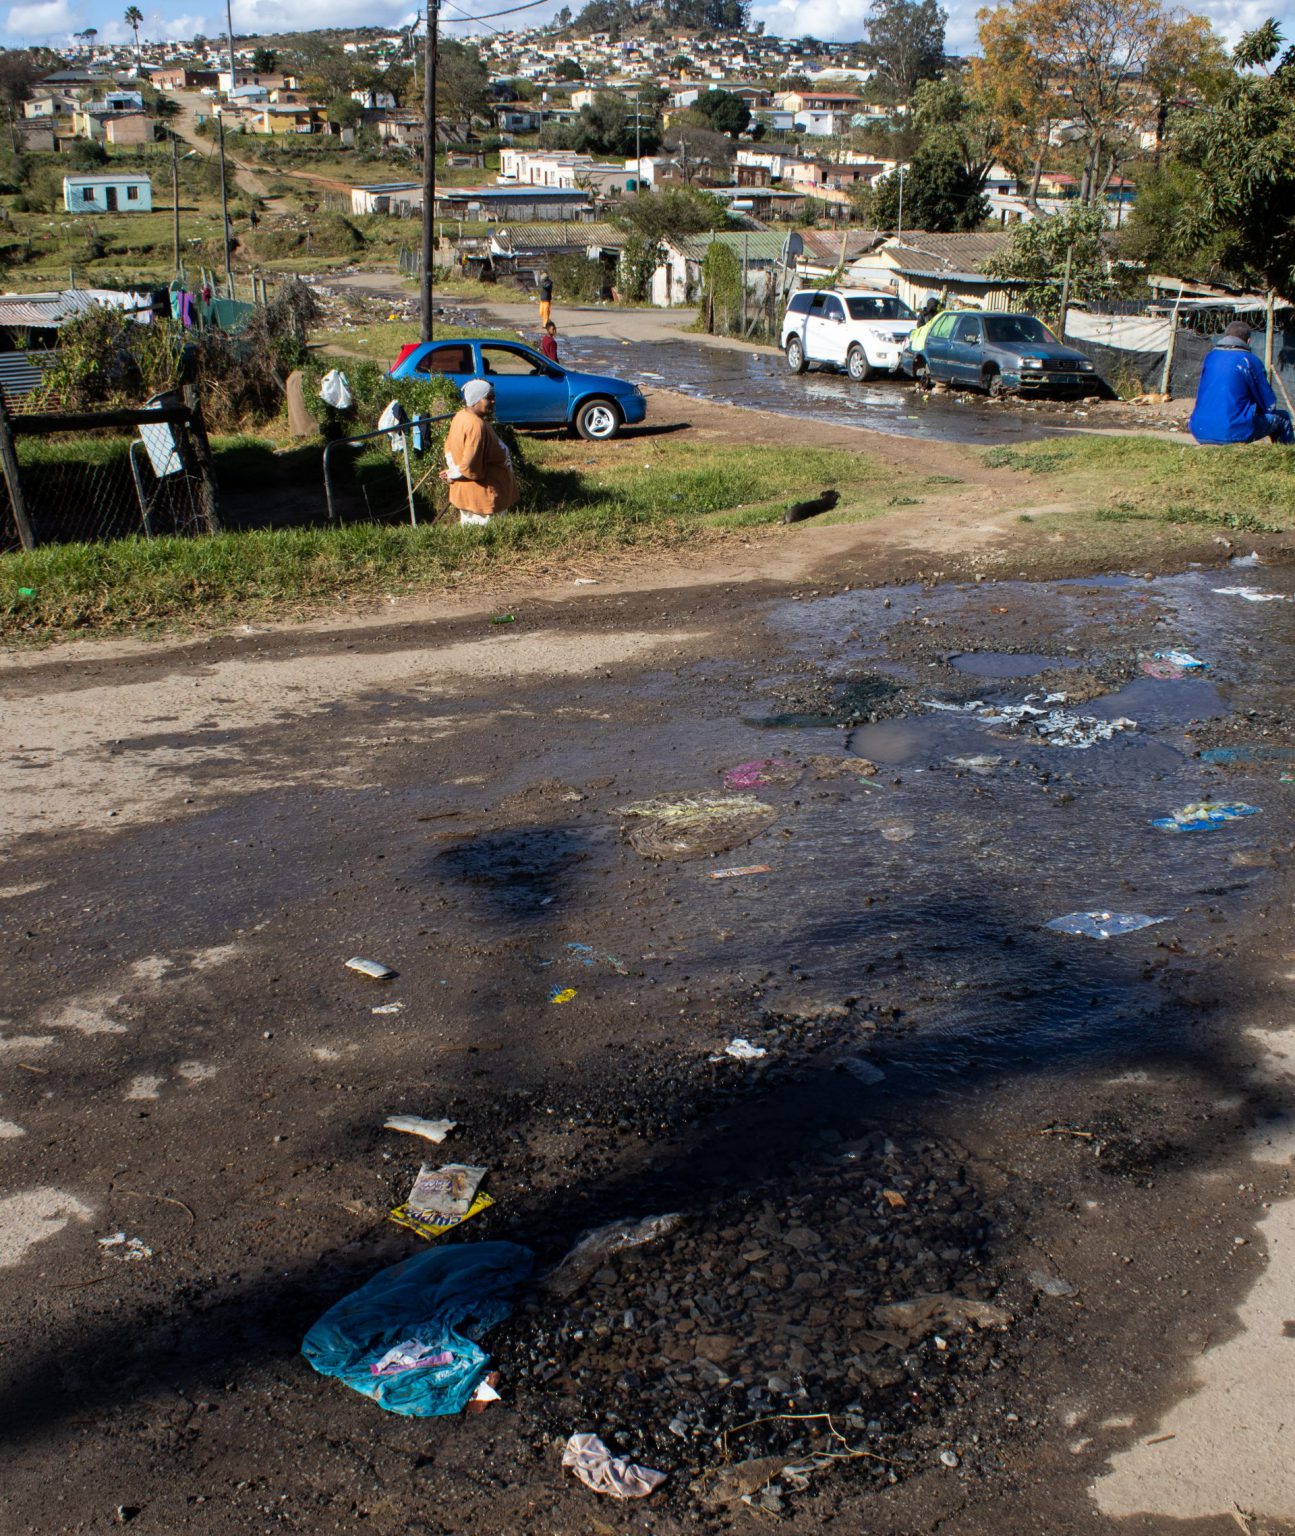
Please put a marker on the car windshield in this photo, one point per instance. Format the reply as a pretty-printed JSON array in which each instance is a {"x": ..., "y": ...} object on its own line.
[
  {"x": 878, "y": 308},
  {"x": 1018, "y": 328}
]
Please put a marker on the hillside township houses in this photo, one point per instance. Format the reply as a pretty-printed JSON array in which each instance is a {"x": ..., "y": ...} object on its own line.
[{"x": 122, "y": 192}]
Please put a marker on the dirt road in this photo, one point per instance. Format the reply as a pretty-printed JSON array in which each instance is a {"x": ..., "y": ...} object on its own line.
[{"x": 1081, "y": 1146}]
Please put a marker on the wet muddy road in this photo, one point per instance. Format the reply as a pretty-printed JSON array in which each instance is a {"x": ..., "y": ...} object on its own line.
[
  {"x": 762, "y": 381},
  {"x": 1077, "y": 1145}
]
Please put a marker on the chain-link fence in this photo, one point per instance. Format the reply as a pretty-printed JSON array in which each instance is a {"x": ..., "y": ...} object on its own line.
[{"x": 107, "y": 475}]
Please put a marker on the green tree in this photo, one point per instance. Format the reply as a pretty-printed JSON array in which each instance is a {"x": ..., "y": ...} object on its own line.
[
  {"x": 1239, "y": 158},
  {"x": 344, "y": 111},
  {"x": 18, "y": 73},
  {"x": 906, "y": 41},
  {"x": 462, "y": 82},
  {"x": 939, "y": 193},
  {"x": 133, "y": 18},
  {"x": 568, "y": 69},
  {"x": 1037, "y": 250},
  {"x": 724, "y": 111},
  {"x": 264, "y": 61}
]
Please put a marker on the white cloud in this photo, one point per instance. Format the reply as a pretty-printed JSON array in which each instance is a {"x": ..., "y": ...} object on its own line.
[{"x": 41, "y": 20}]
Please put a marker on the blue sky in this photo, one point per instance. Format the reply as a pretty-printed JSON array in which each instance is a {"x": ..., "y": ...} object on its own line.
[{"x": 53, "y": 21}]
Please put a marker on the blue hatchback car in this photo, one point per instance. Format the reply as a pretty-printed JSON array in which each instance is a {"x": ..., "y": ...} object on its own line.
[
  {"x": 1003, "y": 354},
  {"x": 529, "y": 390}
]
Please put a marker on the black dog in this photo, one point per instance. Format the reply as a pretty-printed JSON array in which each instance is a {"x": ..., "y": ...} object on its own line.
[{"x": 800, "y": 510}]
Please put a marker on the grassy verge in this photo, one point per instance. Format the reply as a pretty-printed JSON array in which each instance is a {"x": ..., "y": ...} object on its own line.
[
  {"x": 382, "y": 340},
  {"x": 585, "y": 501},
  {"x": 1146, "y": 481}
]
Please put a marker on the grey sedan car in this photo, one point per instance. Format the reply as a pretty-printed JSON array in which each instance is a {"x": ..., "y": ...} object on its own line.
[{"x": 1003, "y": 354}]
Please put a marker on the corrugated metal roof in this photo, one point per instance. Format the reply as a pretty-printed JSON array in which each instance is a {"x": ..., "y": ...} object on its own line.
[
  {"x": 547, "y": 237},
  {"x": 43, "y": 309},
  {"x": 965, "y": 252},
  {"x": 22, "y": 372},
  {"x": 759, "y": 245},
  {"x": 104, "y": 181}
]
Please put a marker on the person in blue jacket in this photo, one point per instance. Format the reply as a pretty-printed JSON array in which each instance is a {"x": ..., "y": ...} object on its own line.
[{"x": 1234, "y": 400}]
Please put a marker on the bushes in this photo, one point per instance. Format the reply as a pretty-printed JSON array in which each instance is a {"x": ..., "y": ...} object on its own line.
[
  {"x": 106, "y": 359},
  {"x": 576, "y": 279}
]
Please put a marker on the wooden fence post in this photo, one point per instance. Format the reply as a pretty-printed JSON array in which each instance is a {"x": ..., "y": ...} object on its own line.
[
  {"x": 202, "y": 456},
  {"x": 9, "y": 464}
]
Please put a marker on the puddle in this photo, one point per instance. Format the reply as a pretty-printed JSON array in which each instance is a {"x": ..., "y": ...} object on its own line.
[
  {"x": 762, "y": 381},
  {"x": 1008, "y": 664}
]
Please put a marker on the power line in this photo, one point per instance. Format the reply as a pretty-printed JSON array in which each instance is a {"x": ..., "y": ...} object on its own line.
[{"x": 529, "y": 6}]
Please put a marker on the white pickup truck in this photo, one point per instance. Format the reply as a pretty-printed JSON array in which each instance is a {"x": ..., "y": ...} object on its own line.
[{"x": 857, "y": 329}]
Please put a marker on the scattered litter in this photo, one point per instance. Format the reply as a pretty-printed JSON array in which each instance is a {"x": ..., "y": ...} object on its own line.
[
  {"x": 598, "y": 1469},
  {"x": 860, "y": 1067},
  {"x": 485, "y": 1394},
  {"x": 982, "y": 764},
  {"x": 693, "y": 826},
  {"x": 26, "y": 591},
  {"x": 1251, "y": 594},
  {"x": 894, "y": 1199},
  {"x": 587, "y": 955},
  {"x": 415, "y": 1125},
  {"x": 409, "y": 1356},
  {"x": 373, "y": 968},
  {"x": 1259, "y": 752},
  {"x": 1244, "y": 562},
  {"x": 1183, "y": 659},
  {"x": 504, "y": 618},
  {"x": 924, "y": 1313},
  {"x": 584, "y": 581},
  {"x": 898, "y": 832},
  {"x": 1102, "y": 925},
  {"x": 562, "y": 994},
  {"x": 730, "y": 1485},
  {"x": 1204, "y": 815},
  {"x": 1038, "y": 718},
  {"x": 420, "y": 1303},
  {"x": 442, "y": 1198},
  {"x": 740, "y": 869},
  {"x": 824, "y": 766},
  {"x": 948, "y": 1458},
  {"x": 125, "y": 1248},
  {"x": 1050, "y": 1285},
  {"x": 388, "y": 1008},
  {"x": 594, "y": 1248},
  {"x": 334, "y": 390},
  {"x": 743, "y": 1050},
  {"x": 767, "y": 770}
]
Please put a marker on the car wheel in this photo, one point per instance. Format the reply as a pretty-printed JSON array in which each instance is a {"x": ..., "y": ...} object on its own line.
[
  {"x": 994, "y": 384},
  {"x": 598, "y": 421},
  {"x": 922, "y": 374},
  {"x": 795, "y": 355},
  {"x": 858, "y": 366}
]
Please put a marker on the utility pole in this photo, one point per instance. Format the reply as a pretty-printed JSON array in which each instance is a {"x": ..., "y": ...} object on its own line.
[
  {"x": 1065, "y": 289},
  {"x": 229, "y": 22},
  {"x": 224, "y": 203},
  {"x": 899, "y": 233},
  {"x": 429, "y": 166},
  {"x": 175, "y": 204},
  {"x": 638, "y": 142}
]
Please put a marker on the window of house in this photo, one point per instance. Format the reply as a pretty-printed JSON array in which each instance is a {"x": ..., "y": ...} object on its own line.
[
  {"x": 87, "y": 194},
  {"x": 132, "y": 194}
]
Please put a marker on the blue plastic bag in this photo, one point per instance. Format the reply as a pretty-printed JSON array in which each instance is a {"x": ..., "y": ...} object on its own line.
[{"x": 440, "y": 1302}]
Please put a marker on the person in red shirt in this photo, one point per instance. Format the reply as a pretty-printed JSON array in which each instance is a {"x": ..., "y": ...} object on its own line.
[{"x": 549, "y": 342}]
